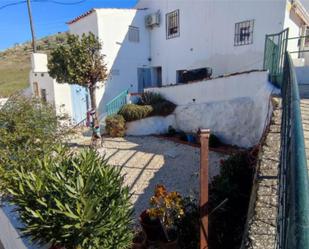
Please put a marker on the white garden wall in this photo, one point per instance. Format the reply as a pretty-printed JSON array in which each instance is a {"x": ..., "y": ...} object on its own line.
[{"x": 234, "y": 108}]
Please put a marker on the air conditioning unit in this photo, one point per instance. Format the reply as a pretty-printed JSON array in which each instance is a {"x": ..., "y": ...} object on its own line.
[{"x": 152, "y": 20}]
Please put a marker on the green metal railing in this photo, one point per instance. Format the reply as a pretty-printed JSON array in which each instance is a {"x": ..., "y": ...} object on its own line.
[
  {"x": 275, "y": 47},
  {"x": 293, "y": 215},
  {"x": 115, "y": 104}
]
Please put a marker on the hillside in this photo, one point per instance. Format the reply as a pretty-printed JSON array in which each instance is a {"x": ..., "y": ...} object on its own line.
[{"x": 15, "y": 63}]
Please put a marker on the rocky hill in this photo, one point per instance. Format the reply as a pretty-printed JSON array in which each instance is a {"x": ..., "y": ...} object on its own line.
[{"x": 15, "y": 63}]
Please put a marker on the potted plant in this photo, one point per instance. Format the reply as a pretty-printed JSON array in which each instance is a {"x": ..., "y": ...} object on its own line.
[
  {"x": 151, "y": 226},
  {"x": 139, "y": 240},
  {"x": 167, "y": 208}
]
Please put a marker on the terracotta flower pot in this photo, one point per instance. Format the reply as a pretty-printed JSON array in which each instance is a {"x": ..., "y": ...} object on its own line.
[
  {"x": 151, "y": 227},
  {"x": 139, "y": 241}
]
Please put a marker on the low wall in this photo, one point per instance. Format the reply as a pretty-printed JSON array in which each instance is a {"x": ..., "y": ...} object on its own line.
[
  {"x": 302, "y": 74},
  {"x": 9, "y": 235},
  {"x": 235, "y": 109}
]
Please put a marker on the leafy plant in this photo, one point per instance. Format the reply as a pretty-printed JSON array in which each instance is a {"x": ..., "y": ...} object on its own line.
[
  {"x": 150, "y": 98},
  {"x": 214, "y": 141},
  {"x": 81, "y": 62},
  {"x": 167, "y": 206},
  {"x": 161, "y": 106},
  {"x": 132, "y": 112},
  {"x": 75, "y": 201},
  {"x": 115, "y": 125},
  {"x": 188, "y": 225},
  {"x": 234, "y": 185},
  {"x": 28, "y": 129}
]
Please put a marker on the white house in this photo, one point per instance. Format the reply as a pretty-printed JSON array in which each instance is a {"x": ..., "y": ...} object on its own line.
[
  {"x": 45, "y": 87},
  {"x": 157, "y": 42}
]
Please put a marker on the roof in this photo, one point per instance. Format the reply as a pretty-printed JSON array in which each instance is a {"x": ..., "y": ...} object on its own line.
[{"x": 76, "y": 19}]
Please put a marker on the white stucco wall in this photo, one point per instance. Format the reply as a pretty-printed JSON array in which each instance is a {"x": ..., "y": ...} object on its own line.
[
  {"x": 302, "y": 74},
  {"x": 207, "y": 35},
  {"x": 59, "y": 95},
  {"x": 121, "y": 56},
  {"x": 235, "y": 108},
  {"x": 10, "y": 236}
]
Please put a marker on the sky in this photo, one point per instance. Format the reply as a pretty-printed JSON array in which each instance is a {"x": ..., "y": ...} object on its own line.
[{"x": 49, "y": 18}]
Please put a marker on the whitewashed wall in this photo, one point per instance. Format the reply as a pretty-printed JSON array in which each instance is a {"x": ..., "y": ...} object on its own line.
[
  {"x": 207, "y": 31},
  {"x": 59, "y": 95},
  {"x": 235, "y": 108},
  {"x": 122, "y": 56},
  {"x": 10, "y": 236},
  {"x": 302, "y": 74}
]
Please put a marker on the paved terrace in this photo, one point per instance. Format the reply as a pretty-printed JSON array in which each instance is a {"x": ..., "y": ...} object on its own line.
[{"x": 148, "y": 161}]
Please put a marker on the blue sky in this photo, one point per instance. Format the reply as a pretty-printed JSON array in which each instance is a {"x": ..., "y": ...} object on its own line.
[{"x": 49, "y": 18}]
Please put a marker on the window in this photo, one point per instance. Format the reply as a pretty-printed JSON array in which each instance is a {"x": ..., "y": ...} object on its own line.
[
  {"x": 36, "y": 89},
  {"x": 133, "y": 34},
  {"x": 43, "y": 95},
  {"x": 172, "y": 24},
  {"x": 244, "y": 33}
]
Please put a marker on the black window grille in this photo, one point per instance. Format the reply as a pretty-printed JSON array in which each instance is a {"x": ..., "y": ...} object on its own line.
[
  {"x": 172, "y": 24},
  {"x": 133, "y": 34},
  {"x": 244, "y": 33}
]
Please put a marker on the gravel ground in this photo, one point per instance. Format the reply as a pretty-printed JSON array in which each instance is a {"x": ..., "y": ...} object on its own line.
[{"x": 148, "y": 161}]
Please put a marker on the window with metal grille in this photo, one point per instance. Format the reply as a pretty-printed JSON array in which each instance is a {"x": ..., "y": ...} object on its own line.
[
  {"x": 244, "y": 33},
  {"x": 133, "y": 34},
  {"x": 172, "y": 24}
]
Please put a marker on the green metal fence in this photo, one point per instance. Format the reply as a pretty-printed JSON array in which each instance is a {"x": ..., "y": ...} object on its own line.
[
  {"x": 293, "y": 211},
  {"x": 275, "y": 47},
  {"x": 293, "y": 216},
  {"x": 115, "y": 104}
]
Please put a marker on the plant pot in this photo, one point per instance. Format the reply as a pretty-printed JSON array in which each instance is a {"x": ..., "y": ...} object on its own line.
[
  {"x": 139, "y": 241},
  {"x": 56, "y": 247},
  {"x": 171, "y": 242},
  {"x": 151, "y": 227}
]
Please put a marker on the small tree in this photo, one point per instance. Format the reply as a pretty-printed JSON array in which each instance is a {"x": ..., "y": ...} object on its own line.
[{"x": 80, "y": 62}]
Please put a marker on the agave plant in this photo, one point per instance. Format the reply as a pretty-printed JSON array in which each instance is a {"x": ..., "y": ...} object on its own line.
[{"x": 75, "y": 201}]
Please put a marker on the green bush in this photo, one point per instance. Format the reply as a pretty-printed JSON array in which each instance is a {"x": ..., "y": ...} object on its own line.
[
  {"x": 234, "y": 185},
  {"x": 161, "y": 106},
  {"x": 132, "y": 112},
  {"x": 150, "y": 98},
  {"x": 188, "y": 225},
  {"x": 75, "y": 201},
  {"x": 28, "y": 129},
  {"x": 115, "y": 125},
  {"x": 214, "y": 141}
]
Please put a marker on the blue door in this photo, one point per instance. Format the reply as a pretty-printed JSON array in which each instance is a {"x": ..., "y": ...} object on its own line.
[
  {"x": 80, "y": 103},
  {"x": 144, "y": 78}
]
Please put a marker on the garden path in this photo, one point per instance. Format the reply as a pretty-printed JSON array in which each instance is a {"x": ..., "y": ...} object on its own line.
[{"x": 148, "y": 161}]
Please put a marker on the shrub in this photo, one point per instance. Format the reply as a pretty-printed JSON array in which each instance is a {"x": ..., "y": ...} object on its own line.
[
  {"x": 214, "y": 141},
  {"x": 132, "y": 112},
  {"x": 161, "y": 106},
  {"x": 234, "y": 185},
  {"x": 76, "y": 201},
  {"x": 115, "y": 125},
  {"x": 188, "y": 225},
  {"x": 28, "y": 129},
  {"x": 150, "y": 98}
]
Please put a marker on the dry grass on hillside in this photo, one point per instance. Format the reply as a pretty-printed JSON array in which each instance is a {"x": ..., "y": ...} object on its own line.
[{"x": 15, "y": 64}]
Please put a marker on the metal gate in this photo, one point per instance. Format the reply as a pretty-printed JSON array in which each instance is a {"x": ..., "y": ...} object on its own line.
[{"x": 274, "y": 55}]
